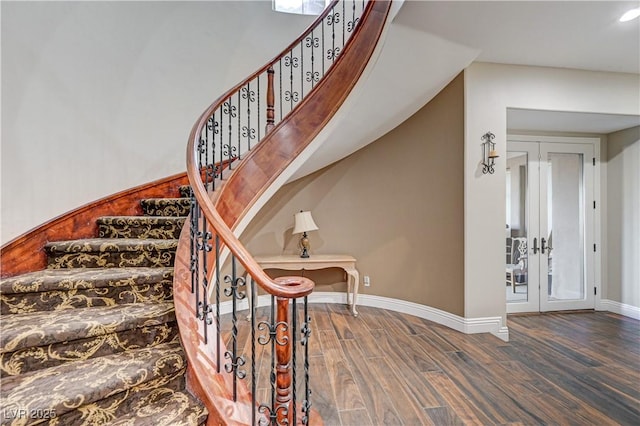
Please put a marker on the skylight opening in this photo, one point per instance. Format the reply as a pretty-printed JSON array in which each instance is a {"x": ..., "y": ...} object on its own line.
[{"x": 301, "y": 7}]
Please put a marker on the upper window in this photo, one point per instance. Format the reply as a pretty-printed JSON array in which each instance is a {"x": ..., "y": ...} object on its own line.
[{"x": 302, "y": 7}]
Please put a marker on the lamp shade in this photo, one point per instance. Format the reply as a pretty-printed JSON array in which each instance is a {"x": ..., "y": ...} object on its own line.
[{"x": 303, "y": 223}]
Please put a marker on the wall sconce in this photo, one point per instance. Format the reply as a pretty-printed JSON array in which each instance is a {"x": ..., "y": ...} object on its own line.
[
  {"x": 489, "y": 153},
  {"x": 303, "y": 224}
]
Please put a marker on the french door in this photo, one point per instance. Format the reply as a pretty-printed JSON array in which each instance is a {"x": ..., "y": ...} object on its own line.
[{"x": 550, "y": 258}]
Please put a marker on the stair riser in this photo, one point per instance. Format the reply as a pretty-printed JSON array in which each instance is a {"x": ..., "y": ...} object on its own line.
[
  {"x": 141, "y": 229},
  {"x": 84, "y": 298},
  {"x": 154, "y": 258},
  {"x": 36, "y": 358},
  {"x": 162, "y": 207},
  {"x": 185, "y": 191}
]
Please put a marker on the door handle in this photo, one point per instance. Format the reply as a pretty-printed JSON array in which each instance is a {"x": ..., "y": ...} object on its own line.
[
  {"x": 535, "y": 246},
  {"x": 542, "y": 245}
]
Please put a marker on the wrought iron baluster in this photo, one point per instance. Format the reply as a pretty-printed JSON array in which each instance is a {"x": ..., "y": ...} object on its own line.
[
  {"x": 304, "y": 341},
  {"x": 301, "y": 70},
  {"x": 344, "y": 19},
  {"x": 248, "y": 132},
  {"x": 313, "y": 76},
  {"x": 270, "y": 326},
  {"x": 235, "y": 361},
  {"x": 231, "y": 110},
  {"x": 254, "y": 378},
  {"x": 205, "y": 247},
  {"x": 193, "y": 229},
  {"x": 239, "y": 126},
  {"x": 221, "y": 141},
  {"x": 195, "y": 260},
  {"x": 280, "y": 86},
  {"x": 213, "y": 168},
  {"x": 218, "y": 333},
  {"x": 323, "y": 46},
  {"x": 354, "y": 20}
]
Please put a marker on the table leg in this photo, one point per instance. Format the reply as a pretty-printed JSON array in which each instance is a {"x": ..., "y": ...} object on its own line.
[{"x": 353, "y": 275}]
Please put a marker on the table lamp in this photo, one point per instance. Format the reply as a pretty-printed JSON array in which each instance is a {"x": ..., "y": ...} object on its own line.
[{"x": 303, "y": 224}]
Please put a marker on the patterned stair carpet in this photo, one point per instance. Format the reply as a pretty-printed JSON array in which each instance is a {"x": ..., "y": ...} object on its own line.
[{"x": 93, "y": 339}]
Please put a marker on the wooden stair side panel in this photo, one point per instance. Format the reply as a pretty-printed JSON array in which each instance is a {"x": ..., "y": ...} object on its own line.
[{"x": 25, "y": 253}]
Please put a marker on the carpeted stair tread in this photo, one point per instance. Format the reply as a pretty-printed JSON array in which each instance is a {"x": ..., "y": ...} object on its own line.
[
  {"x": 157, "y": 402},
  {"x": 83, "y": 278},
  {"x": 37, "y": 358},
  {"x": 111, "y": 252},
  {"x": 66, "y": 387},
  {"x": 164, "y": 407},
  {"x": 162, "y": 227},
  {"x": 166, "y": 206},
  {"x": 35, "y": 329},
  {"x": 60, "y": 289}
]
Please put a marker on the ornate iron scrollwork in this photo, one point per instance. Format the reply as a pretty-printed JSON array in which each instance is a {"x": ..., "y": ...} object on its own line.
[
  {"x": 332, "y": 54},
  {"x": 273, "y": 330},
  {"x": 235, "y": 364}
]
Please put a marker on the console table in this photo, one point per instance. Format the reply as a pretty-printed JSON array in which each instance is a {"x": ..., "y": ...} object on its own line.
[{"x": 318, "y": 261}]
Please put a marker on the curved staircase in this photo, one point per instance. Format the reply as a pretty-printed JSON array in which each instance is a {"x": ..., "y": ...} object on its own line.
[
  {"x": 93, "y": 339},
  {"x": 110, "y": 331}
]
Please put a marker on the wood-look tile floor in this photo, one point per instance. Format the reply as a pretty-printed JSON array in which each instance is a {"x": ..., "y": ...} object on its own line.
[{"x": 388, "y": 368}]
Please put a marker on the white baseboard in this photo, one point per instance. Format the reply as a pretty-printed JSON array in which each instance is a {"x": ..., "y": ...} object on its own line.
[
  {"x": 493, "y": 325},
  {"x": 620, "y": 308}
]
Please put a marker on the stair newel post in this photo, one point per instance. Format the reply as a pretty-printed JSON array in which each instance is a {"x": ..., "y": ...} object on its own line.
[
  {"x": 283, "y": 367},
  {"x": 271, "y": 115}
]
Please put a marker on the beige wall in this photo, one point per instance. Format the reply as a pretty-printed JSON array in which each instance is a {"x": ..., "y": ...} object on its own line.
[{"x": 396, "y": 205}]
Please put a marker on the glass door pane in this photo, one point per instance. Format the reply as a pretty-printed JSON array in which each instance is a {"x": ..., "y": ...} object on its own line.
[
  {"x": 565, "y": 223},
  {"x": 522, "y": 263},
  {"x": 516, "y": 253},
  {"x": 566, "y": 227}
]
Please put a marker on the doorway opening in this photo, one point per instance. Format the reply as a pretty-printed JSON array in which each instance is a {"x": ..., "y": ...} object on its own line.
[{"x": 550, "y": 229}]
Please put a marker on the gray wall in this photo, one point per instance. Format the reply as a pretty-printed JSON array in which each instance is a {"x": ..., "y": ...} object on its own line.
[
  {"x": 98, "y": 97},
  {"x": 623, "y": 217}
]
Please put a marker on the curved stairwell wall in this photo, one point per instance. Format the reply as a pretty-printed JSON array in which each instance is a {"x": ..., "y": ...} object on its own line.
[{"x": 114, "y": 83}]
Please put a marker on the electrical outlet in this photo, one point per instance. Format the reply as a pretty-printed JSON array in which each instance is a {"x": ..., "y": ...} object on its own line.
[{"x": 367, "y": 281}]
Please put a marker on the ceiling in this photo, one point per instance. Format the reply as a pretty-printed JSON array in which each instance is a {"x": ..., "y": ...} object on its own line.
[
  {"x": 582, "y": 35},
  {"x": 567, "y": 34}
]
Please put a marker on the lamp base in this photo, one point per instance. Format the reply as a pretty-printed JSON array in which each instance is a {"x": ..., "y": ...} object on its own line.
[{"x": 304, "y": 243}]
